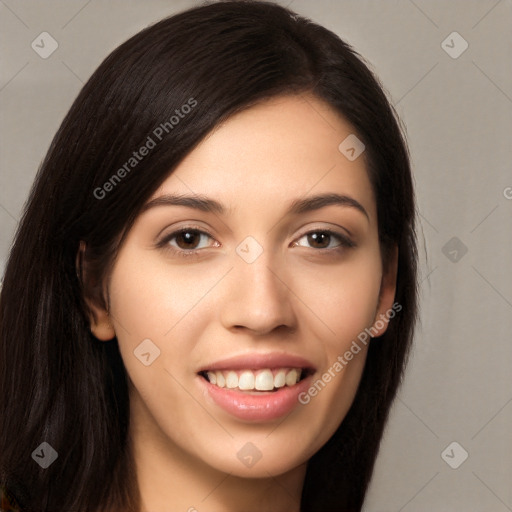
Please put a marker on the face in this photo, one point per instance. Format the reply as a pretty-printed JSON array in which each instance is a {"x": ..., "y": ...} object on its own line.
[{"x": 229, "y": 310}]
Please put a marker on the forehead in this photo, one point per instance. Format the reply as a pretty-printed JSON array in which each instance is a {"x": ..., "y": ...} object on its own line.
[{"x": 280, "y": 149}]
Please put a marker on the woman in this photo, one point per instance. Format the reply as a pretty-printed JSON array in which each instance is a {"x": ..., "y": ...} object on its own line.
[{"x": 211, "y": 296}]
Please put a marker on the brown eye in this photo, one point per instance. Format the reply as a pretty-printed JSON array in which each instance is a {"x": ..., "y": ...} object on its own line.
[
  {"x": 187, "y": 242},
  {"x": 319, "y": 240},
  {"x": 188, "y": 239},
  {"x": 325, "y": 239}
]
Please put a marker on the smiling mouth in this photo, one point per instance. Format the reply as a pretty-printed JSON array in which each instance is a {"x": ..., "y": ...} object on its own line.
[{"x": 261, "y": 380}]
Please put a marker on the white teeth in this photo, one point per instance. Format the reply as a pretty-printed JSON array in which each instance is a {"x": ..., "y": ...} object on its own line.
[
  {"x": 221, "y": 381},
  {"x": 280, "y": 379},
  {"x": 231, "y": 380},
  {"x": 291, "y": 377},
  {"x": 259, "y": 380},
  {"x": 246, "y": 380},
  {"x": 264, "y": 381}
]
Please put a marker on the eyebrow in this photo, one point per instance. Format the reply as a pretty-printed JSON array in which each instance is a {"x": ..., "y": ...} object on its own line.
[{"x": 298, "y": 206}]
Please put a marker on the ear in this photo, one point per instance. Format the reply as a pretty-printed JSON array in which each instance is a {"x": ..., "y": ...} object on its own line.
[
  {"x": 386, "y": 294},
  {"x": 101, "y": 326}
]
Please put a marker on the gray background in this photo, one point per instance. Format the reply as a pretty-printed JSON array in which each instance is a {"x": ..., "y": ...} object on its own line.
[{"x": 458, "y": 116}]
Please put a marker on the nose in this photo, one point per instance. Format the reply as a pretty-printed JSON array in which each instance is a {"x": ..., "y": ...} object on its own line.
[{"x": 258, "y": 298}]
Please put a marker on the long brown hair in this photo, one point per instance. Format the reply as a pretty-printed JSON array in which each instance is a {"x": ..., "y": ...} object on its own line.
[{"x": 57, "y": 383}]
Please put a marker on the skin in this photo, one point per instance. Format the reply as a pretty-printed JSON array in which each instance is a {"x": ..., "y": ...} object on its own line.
[{"x": 296, "y": 297}]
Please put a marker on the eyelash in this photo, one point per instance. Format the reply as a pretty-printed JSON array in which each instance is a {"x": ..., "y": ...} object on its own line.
[{"x": 345, "y": 242}]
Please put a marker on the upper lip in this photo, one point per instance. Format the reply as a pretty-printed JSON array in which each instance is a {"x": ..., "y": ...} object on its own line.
[{"x": 259, "y": 361}]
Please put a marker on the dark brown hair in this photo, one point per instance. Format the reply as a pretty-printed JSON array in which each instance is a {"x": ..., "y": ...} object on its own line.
[{"x": 57, "y": 383}]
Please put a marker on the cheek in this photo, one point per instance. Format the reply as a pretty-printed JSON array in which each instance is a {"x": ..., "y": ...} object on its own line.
[
  {"x": 150, "y": 298},
  {"x": 345, "y": 303},
  {"x": 343, "y": 298},
  {"x": 168, "y": 305},
  {"x": 150, "y": 302}
]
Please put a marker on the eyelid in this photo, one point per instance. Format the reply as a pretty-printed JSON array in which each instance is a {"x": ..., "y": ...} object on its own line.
[{"x": 332, "y": 228}]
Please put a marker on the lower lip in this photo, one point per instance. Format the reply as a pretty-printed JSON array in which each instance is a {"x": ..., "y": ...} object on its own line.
[{"x": 265, "y": 407}]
